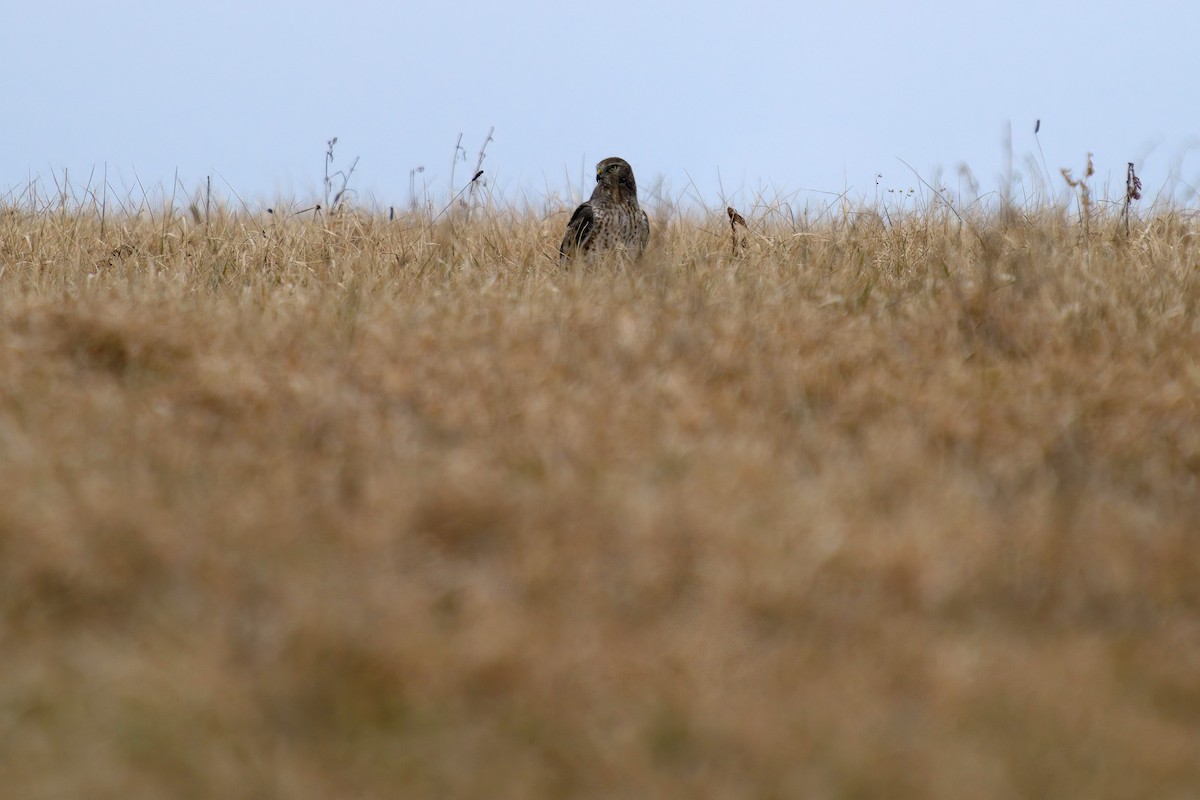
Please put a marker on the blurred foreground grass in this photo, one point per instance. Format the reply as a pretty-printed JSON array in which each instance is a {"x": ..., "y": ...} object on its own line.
[{"x": 348, "y": 508}]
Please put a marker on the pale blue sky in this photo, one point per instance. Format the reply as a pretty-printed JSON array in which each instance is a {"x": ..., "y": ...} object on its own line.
[{"x": 798, "y": 99}]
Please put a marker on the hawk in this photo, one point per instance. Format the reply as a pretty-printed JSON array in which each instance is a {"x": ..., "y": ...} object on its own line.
[{"x": 611, "y": 220}]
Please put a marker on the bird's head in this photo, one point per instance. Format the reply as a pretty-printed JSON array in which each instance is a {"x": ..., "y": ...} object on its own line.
[{"x": 616, "y": 176}]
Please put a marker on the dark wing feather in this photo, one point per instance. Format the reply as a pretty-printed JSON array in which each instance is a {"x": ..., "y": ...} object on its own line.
[{"x": 579, "y": 230}]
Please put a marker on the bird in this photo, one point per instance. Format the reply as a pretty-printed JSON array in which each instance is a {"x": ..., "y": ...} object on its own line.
[{"x": 611, "y": 221}]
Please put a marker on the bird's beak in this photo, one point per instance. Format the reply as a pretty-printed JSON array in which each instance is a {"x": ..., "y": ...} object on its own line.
[{"x": 598, "y": 175}]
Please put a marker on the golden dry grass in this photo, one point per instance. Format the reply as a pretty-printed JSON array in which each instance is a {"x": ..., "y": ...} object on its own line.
[{"x": 351, "y": 509}]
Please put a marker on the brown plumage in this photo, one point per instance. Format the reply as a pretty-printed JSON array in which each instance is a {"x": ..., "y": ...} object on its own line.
[{"x": 612, "y": 220}]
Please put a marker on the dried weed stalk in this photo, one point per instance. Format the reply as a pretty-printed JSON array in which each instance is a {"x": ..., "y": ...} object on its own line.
[
  {"x": 1083, "y": 189},
  {"x": 335, "y": 203},
  {"x": 1133, "y": 191},
  {"x": 735, "y": 219}
]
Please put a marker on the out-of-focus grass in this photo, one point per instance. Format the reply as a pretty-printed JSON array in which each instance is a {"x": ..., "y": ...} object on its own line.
[{"x": 343, "y": 508}]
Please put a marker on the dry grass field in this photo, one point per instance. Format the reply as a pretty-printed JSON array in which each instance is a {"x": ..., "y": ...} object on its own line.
[{"x": 881, "y": 505}]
